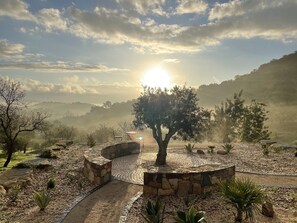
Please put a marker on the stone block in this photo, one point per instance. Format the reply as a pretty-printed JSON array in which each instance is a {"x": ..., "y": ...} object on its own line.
[
  {"x": 91, "y": 176},
  {"x": 197, "y": 189},
  {"x": 184, "y": 188},
  {"x": 97, "y": 180},
  {"x": 196, "y": 177},
  {"x": 165, "y": 184},
  {"x": 166, "y": 192},
  {"x": 215, "y": 180},
  {"x": 173, "y": 183},
  {"x": 103, "y": 172},
  {"x": 147, "y": 190}
]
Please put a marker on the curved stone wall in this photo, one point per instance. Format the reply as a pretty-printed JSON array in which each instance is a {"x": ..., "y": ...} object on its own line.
[
  {"x": 98, "y": 162},
  {"x": 181, "y": 184}
]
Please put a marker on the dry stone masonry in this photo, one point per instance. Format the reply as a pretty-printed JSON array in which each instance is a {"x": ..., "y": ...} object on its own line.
[
  {"x": 98, "y": 162},
  {"x": 182, "y": 184}
]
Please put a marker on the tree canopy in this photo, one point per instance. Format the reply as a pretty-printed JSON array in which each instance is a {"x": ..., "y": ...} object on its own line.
[{"x": 167, "y": 112}]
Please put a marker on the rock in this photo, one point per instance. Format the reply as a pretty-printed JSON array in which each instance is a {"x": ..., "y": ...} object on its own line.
[
  {"x": 56, "y": 148},
  {"x": 165, "y": 192},
  {"x": 197, "y": 188},
  {"x": 2, "y": 190},
  {"x": 222, "y": 152},
  {"x": 267, "y": 142},
  {"x": 165, "y": 183},
  {"x": 64, "y": 143},
  {"x": 184, "y": 188},
  {"x": 284, "y": 146},
  {"x": 267, "y": 209},
  {"x": 200, "y": 151}
]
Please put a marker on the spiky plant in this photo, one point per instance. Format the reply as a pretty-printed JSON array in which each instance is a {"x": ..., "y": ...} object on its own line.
[
  {"x": 192, "y": 216},
  {"x": 244, "y": 195},
  {"x": 189, "y": 147},
  {"x": 228, "y": 147},
  {"x": 154, "y": 213},
  {"x": 42, "y": 199}
]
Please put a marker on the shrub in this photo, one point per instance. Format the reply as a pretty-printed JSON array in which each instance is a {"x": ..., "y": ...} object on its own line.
[
  {"x": 228, "y": 147},
  {"x": 189, "y": 147},
  {"x": 154, "y": 213},
  {"x": 211, "y": 149},
  {"x": 91, "y": 141},
  {"x": 244, "y": 195},
  {"x": 48, "y": 153},
  {"x": 42, "y": 199},
  {"x": 192, "y": 216},
  {"x": 51, "y": 184},
  {"x": 14, "y": 192},
  {"x": 265, "y": 149}
]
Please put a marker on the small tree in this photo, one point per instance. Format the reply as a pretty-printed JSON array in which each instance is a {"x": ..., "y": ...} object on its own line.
[
  {"x": 14, "y": 121},
  {"x": 174, "y": 110},
  {"x": 253, "y": 128}
]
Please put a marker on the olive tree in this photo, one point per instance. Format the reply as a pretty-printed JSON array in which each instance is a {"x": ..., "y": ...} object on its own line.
[
  {"x": 167, "y": 112},
  {"x": 14, "y": 120}
]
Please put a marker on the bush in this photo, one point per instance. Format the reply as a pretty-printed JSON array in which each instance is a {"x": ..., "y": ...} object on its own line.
[
  {"x": 42, "y": 199},
  {"x": 14, "y": 192},
  {"x": 192, "y": 216},
  {"x": 51, "y": 184},
  {"x": 154, "y": 213},
  {"x": 244, "y": 195},
  {"x": 211, "y": 149},
  {"x": 48, "y": 153},
  {"x": 265, "y": 149},
  {"x": 189, "y": 147},
  {"x": 228, "y": 147},
  {"x": 91, "y": 141}
]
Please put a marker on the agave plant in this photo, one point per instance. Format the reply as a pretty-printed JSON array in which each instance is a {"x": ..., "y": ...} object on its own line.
[
  {"x": 244, "y": 195},
  {"x": 192, "y": 216},
  {"x": 189, "y": 147},
  {"x": 42, "y": 199},
  {"x": 228, "y": 147},
  {"x": 154, "y": 213}
]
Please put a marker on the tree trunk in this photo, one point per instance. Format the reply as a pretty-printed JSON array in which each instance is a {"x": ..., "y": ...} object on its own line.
[
  {"x": 161, "y": 156},
  {"x": 9, "y": 155},
  {"x": 239, "y": 216}
]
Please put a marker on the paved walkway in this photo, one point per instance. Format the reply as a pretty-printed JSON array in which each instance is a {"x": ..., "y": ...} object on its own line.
[
  {"x": 107, "y": 203},
  {"x": 104, "y": 205}
]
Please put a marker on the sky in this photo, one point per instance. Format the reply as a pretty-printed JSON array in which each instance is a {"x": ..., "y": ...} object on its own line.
[{"x": 98, "y": 50}]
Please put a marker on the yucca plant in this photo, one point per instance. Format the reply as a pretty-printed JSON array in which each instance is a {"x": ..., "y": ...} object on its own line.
[
  {"x": 42, "y": 199},
  {"x": 154, "y": 213},
  {"x": 189, "y": 147},
  {"x": 192, "y": 216},
  {"x": 211, "y": 149},
  {"x": 228, "y": 147},
  {"x": 244, "y": 195}
]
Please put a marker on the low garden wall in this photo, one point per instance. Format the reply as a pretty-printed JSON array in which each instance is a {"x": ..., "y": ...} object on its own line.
[
  {"x": 181, "y": 184},
  {"x": 98, "y": 162}
]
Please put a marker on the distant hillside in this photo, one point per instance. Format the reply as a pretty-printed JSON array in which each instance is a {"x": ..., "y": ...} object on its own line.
[
  {"x": 59, "y": 110},
  {"x": 274, "y": 82},
  {"x": 97, "y": 115}
]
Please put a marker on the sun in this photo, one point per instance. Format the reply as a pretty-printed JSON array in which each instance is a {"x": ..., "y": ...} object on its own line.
[{"x": 156, "y": 78}]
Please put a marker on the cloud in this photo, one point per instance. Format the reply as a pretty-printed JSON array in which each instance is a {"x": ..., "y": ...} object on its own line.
[
  {"x": 144, "y": 7},
  {"x": 171, "y": 60},
  {"x": 51, "y": 19},
  {"x": 16, "y": 9},
  {"x": 60, "y": 66},
  {"x": 11, "y": 51},
  {"x": 193, "y": 6}
]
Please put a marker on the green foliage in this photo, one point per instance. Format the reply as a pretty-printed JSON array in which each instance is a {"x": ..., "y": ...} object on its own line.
[
  {"x": 189, "y": 147},
  {"x": 192, "y": 216},
  {"x": 154, "y": 213},
  {"x": 176, "y": 110},
  {"x": 14, "y": 192},
  {"x": 42, "y": 199},
  {"x": 234, "y": 120},
  {"x": 265, "y": 149},
  {"x": 244, "y": 195},
  {"x": 253, "y": 128},
  {"x": 48, "y": 153},
  {"x": 90, "y": 140},
  {"x": 51, "y": 184},
  {"x": 211, "y": 149},
  {"x": 228, "y": 147}
]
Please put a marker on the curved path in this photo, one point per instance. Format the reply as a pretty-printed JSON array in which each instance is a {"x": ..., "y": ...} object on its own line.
[
  {"x": 104, "y": 205},
  {"x": 107, "y": 203}
]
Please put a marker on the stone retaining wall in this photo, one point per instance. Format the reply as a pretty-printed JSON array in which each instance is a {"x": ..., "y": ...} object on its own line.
[
  {"x": 181, "y": 184},
  {"x": 98, "y": 162}
]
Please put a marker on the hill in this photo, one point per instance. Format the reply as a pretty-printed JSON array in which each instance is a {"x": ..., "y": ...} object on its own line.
[
  {"x": 272, "y": 83},
  {"x": 59, "y": 110}
]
